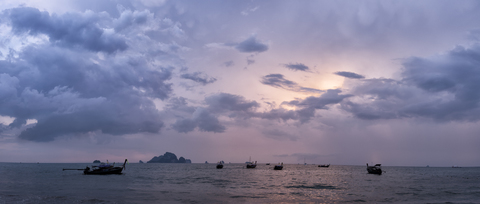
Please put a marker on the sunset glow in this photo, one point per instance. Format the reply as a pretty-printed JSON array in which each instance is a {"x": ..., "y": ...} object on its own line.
[{"x": 340, "y": 82}]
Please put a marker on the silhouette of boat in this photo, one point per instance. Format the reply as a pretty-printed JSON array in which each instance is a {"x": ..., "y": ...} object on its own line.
[
  {"x": 278, "y": 166},
  {"x": 220, "y": 164},
  {"x": 103, "y": 169},
  {"x": 377, "y": 169},
  {"x": 251, "y": 165},
  {"x": 324, "y": 165}
]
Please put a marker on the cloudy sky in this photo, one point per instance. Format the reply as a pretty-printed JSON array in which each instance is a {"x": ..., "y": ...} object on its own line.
[{"x": 340, "y": 82}]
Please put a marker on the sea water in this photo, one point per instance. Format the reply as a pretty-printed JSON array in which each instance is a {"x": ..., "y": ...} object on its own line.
[{"x": 203, "y": 183}]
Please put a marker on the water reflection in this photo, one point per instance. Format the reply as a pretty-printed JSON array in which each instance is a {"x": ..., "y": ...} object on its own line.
[{"x": 203, "y": 183}]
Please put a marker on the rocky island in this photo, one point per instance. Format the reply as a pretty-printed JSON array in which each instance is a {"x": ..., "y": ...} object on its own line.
[{"x": 169, "y": 157}]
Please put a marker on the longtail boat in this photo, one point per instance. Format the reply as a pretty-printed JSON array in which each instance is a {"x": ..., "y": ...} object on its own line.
[
  {"x": 220, "y": 164},
  {"x": 251, "y": 165},
  {"x": 377, "y": 169},
  {"x": 278, "y": 166},
  {"x": 102, "y": 169}
]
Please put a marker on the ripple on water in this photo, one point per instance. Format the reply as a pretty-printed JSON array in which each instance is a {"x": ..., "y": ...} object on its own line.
[{"x": 314, "y": 186}]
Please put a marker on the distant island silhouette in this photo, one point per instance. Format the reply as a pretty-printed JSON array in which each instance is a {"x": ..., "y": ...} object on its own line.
[
  {"x": 169, "y": 157},
  {"x": 96, "y": 161}
]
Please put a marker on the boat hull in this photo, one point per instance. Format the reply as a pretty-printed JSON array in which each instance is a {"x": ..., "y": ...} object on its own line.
[
  {"x": 115, "y": 170},
  {"x": 373, "y": 170},
  {"x": 251, "y": 166},
  {"x": 278, "y": 168}
]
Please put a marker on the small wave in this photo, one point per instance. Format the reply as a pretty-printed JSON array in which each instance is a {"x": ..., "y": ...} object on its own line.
[
  {"x": 355, "y": 201},
  {"x": 315, "y": 186}
]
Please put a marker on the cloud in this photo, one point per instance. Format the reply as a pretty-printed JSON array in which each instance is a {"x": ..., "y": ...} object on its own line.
[
  {"x": 71, "y": 29},
  {"x": 199, "y": 77},
  {"x": 128, "y": 18},
  {"x": 202, "y": 119},
  {"x": 297, "y": 67},
  {"x": 249, "y": 45},
  {"x": 228, "y": 63},
  {"x": 278, "y": 81},
  {"x": 223, "y": 102},
  {"x": 206, "y": 118},
  {"x": 350, "y": 75},
  {"x": 442, "y": 87},
  {"x": 306, "y": 107},
  {"x": 237, "y": 107},
  {"x": 69, "y": 86}
]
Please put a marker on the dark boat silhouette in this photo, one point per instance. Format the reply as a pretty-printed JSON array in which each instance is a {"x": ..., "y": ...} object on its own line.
[
  {"x": 220, "y": 164},
  {"x": 278, "y": 166},
  {"x": 251, "y": 165},
  {"x": 324, "y": 165},
  {"x": 103, "y": 169},
  {"x": 377, "y": 169}
]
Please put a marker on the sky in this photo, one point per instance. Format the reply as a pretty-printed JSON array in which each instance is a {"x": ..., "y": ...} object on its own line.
[{"x": 321, "y": 82}]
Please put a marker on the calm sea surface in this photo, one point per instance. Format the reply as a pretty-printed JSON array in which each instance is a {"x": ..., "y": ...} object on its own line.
[{"x": 203, "y": 183}]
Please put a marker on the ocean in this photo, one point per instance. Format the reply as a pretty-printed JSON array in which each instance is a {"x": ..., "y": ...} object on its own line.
[{"x": 203, "y": 183}]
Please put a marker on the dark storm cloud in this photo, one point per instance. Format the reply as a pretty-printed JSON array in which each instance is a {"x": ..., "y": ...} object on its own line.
[
  {"x": 201, "y": 118},
  {"x": 350, "y": 75},
  {"x": 278, "y": 81},
  {"x": 67, "y": 94},
  {"x": 206, "y": 118},
  {"x": 251, "y": 44},
  {"x": 442, "y": 87},
  {"x": 279, "y": 114},
  {"x": 306, "y": 107},
  {"x": 199, "y": 77},
  {"x": 228, "y": 102},
  {"x": 71, "y": 91},
  {"x": 70, "y": 29},
  {"x": 128, "y": 18},
  {"x": 235, "y": 106},
  {"x": 296, "y": 67}
]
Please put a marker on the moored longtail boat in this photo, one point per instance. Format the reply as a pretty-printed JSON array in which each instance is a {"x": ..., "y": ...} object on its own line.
[
  {"x": 377, "y": 169},
  {"x": 278, "y": 166},
  {"x": 251, "y": 165},
  {"x": 220, "y": 164},
  {"x": 103, "y": 169}
]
